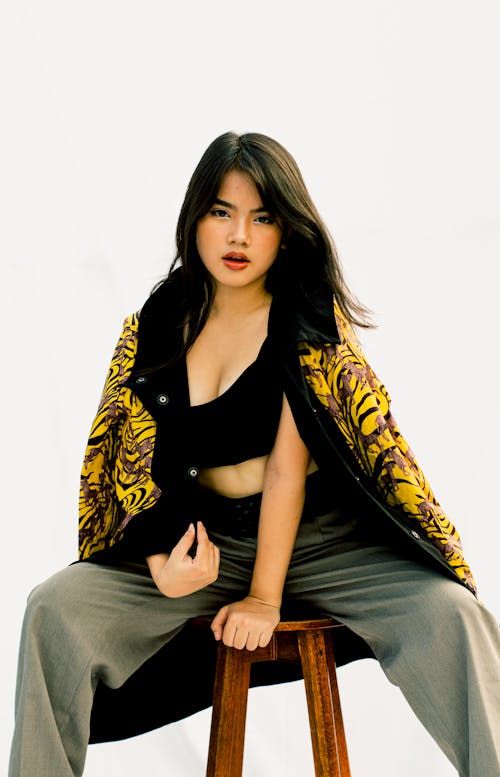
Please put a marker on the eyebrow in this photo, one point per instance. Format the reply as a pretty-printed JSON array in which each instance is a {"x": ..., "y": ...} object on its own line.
[{"x": 229, "y": 205}]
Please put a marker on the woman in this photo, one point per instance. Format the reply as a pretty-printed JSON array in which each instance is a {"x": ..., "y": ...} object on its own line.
[{"x": 244, "y": 457}]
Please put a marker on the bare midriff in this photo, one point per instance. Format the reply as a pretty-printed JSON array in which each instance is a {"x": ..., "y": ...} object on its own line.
[{"x": 239, "y": 480}]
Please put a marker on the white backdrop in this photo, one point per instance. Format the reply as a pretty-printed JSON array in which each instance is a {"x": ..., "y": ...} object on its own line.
[{"x": 391, "y": 110}]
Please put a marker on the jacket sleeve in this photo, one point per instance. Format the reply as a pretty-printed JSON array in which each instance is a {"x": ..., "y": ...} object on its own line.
[
  {"x": 100, "y": 509},
  {"x": 360, "y": 405}
]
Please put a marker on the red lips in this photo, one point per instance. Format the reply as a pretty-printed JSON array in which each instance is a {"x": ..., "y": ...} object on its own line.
[
  {"x": 236, "y": 256},
  {"x": 235, "y": 261}
]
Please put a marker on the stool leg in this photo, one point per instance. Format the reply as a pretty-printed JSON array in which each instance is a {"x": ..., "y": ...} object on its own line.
[
  {"x": 227, "y": 733},
  {"x": 345, "y": 770},
  {"x": 323, "y": 703}
]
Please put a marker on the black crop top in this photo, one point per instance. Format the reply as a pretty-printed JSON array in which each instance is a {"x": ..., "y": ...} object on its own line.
[{"x": 242, "y": 422}]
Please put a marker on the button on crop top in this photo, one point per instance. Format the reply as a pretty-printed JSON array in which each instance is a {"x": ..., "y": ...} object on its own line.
[{"x": 242, "y": 422}]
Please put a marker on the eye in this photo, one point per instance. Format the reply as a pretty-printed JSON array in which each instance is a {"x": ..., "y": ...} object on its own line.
[
  {"x": 265, "y": 219},
  {"x": 218, "y": 212}
]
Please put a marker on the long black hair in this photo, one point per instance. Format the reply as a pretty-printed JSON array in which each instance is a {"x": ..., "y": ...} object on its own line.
[{"x": 310, "y": 256}]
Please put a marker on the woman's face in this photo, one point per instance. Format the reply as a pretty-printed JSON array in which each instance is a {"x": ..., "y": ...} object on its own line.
[{"x": 237, "y": 239}]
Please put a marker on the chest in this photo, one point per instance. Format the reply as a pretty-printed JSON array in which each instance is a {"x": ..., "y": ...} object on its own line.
[{"x": 219, "y": 357}]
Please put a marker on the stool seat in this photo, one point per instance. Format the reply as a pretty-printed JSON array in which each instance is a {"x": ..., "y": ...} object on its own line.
[{"x": 306, "y": 641}]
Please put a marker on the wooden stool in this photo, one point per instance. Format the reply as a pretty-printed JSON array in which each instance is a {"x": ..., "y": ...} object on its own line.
[{"x": 306, "y": 641}]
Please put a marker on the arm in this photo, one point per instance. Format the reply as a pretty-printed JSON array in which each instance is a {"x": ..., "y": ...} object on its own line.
[
  {"x": 282, "y": 504},
  {"x": 251, "y": 622},
  {"x": 179, "y": 574}
]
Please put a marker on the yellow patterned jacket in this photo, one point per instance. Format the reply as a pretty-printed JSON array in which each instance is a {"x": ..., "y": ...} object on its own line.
[{"x": 341, "y": 408}]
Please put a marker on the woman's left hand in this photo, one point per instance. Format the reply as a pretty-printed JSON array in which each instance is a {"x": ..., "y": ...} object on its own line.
[{"x": 248, "y": 623}]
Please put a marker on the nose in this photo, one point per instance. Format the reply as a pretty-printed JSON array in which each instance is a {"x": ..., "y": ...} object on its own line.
[{"x": 239, "y": 232}]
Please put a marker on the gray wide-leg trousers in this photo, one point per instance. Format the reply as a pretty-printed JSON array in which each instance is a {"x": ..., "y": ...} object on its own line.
[{"x": 432, "y": 638}]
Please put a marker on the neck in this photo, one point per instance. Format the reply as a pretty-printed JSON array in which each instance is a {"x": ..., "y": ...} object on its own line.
[{"x": 234, "y": 302}]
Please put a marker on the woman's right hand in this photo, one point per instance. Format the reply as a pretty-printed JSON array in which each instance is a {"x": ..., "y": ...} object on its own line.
[{"x": 179, "y": 574}]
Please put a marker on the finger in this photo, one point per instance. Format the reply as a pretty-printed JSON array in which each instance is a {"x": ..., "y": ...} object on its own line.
[
  {"x": 185, "y": 542},
  {"x": 218, "y": 622},
  {"x": 228, "y": 634},
  {"x": 265, "y": 638},
  {"x": 203, "y": 541},
  {"x": 216, "y": 558},
  {"x": 240, "y": 639},
  {"x": 253, "y": 640}
]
